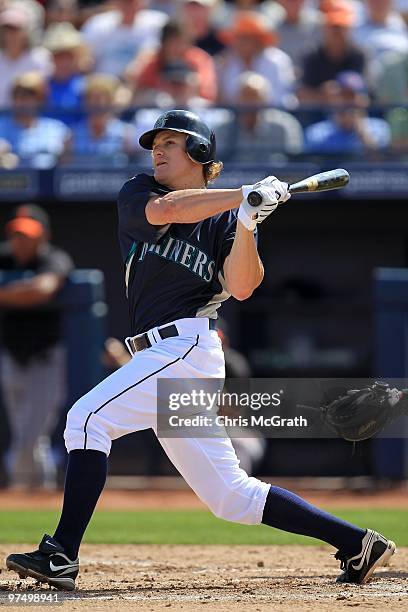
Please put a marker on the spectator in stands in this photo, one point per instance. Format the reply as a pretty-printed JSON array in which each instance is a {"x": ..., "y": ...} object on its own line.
[
  {"x": 261, "y": 133},
  {"x": 181, "y": 88},
  {"x": 147, "y": 70},
  {"x": 270, "y": 9},
  {"x": 8, "y": 160},
  {"x": 251, "y": 46},
  {"x": 73, "y": 11},
  {"x": 17, "y": 54},
  {"x": 115, "y": 37},
  {"x": 349, "y": 130},
  {"x": 62, "y": 11},
  {"x": 66, "y": 85},
  {"x": 397, "y": 119},
  {"x": 169, "y": 7},
  {"x": 300, "y": 30},
  {"x": 33, "y": 356},
  {"x": 36, "y": 17},
  {"x": 196, "y": 18},
  {"x": 390, "y": 86},
  {"x": 390, "y": 79},
  {"x": 36, "y": 140},
  {"x": 335, "y": 54},
  {"x": 401, "y": 7},
  {"x": 101, "y": 137},
  {"x": 381, "y": 30}
]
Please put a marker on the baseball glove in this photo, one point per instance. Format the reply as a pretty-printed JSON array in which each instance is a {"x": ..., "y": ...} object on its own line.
[{"x": 362, "y": 413}]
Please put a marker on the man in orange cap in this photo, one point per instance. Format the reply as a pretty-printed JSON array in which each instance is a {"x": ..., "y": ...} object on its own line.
[
  {"x": 252, "y": 46},
  {"x": 335, "y": 54},
  {"x": 32, "y": 361}
]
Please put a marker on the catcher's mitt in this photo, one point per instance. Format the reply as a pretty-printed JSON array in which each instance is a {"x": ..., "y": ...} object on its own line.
[{"x": 362, "y": 413}]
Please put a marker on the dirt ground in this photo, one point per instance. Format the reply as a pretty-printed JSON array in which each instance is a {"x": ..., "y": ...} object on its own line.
[
  {"x": 213, "y": 578},
  {"x": 216, "y": 578}
]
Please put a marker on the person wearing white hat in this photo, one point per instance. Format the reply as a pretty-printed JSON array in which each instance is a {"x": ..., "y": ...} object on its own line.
[
  {"x": 252, "y": 45},
  {"x": 66, "y": 85},
  {"x": 17, "y": 56},
  {"x": 115, "y": 37}
]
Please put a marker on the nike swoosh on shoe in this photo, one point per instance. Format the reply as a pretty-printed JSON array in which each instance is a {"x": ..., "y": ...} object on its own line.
[
  {"x": 365, "y": 554},
  {"x": 56, "y": 568}
]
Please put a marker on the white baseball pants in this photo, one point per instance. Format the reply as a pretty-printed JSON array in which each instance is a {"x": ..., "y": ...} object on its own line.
[{"x": 126, "y": 401}]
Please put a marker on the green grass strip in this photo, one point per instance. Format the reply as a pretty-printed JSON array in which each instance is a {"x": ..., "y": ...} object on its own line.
[{"x": 185, "y": 527}]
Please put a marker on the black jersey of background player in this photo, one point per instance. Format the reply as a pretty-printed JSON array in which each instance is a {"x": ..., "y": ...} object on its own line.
[
  {"x": 172, "y": 271},
  {"x": 28, "y": 332}
]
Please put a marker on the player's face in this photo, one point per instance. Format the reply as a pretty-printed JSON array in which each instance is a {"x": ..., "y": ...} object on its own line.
[{"x": 171, "y": 164}]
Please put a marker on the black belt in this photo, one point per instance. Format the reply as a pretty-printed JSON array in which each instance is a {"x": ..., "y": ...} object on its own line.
[{"x": 142, "y": 342}]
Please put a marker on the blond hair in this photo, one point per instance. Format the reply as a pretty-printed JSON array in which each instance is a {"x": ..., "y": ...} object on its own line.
[{"x": 212, "y": 171}]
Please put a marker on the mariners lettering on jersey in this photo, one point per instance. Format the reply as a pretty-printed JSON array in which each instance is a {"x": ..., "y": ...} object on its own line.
[{"x": 182, "y": 253}]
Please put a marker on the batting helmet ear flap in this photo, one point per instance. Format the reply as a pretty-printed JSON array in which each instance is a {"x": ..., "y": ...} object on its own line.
[{"x": 199, "y": 149}]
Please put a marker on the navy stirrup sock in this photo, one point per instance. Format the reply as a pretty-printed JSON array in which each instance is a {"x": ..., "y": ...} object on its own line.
[
  {"x": 286, "y": 510},
  {"x": 84, "y": 481}
]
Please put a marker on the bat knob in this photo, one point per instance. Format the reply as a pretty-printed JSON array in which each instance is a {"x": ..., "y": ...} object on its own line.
[{"x": 254, "y": 198}]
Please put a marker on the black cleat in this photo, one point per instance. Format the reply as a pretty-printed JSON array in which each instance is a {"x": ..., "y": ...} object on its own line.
[
  {"x": 375, "y": 552},
  {"x": 47, "y": 564}
]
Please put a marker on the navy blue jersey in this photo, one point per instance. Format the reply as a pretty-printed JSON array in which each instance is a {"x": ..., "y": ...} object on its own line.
[
  {"x": 27, "y": 333},
  {"x": 171, "y": 271}
]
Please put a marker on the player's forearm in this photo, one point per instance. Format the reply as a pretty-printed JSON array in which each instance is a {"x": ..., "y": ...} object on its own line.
[
  {"x": 191, "y": 205},
  {"x": 243, "y": 269},
  {"x": 23, "y": 294},
  {"x": 21, "y": 297}
]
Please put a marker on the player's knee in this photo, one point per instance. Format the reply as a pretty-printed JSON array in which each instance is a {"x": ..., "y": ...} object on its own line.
[
  {"x": 243, "y": 504},
  {"x": 229, "y": 508},
  {"x": 84, "y": 429},
  {"x": 226, "y": 512},
  {"x": 76, "y": 417}
]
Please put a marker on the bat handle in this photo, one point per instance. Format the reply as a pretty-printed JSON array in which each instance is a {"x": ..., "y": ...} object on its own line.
[{"x": 254, "y": 198}]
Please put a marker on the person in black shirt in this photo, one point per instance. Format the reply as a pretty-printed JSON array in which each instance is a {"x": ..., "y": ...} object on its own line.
[
  {"x": 196, "y": 17},
  {"x": 185, "y": 250},
  {"x": 32, "y": 360},
  {"x": 335, "y": 54}
]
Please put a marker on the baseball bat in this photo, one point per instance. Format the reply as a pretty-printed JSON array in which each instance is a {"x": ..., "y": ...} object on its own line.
[{"x": 332, "y": 179}]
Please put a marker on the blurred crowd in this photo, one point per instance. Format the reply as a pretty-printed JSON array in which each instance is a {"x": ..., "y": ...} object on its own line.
[{"x": 275, "y": 78}]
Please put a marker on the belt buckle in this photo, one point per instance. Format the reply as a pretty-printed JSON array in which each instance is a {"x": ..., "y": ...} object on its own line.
[
  {"x": 135, "y": 344},
  {"x": 138, "y": 343}
]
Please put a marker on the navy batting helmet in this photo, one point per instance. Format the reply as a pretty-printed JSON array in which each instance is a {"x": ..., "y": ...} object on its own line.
[{"x": 200, "y": 141}]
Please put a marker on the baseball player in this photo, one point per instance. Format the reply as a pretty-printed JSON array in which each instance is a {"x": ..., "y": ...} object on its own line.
[
  {"x": 186, "y": 249},
  {"x": 33, "y": 371}
]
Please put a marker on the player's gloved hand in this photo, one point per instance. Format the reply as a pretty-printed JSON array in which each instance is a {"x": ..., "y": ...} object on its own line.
[
  {"x": 362, "y": 413},
  {"x": 273, "y": 193}
]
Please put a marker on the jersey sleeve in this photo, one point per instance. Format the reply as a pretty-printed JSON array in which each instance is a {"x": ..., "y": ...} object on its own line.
[{"x": 132, "y": 201}]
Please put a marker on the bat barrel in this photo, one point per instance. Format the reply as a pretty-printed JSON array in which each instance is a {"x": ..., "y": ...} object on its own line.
[{"x": 332, "y": 179}]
